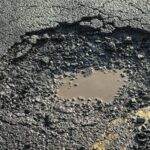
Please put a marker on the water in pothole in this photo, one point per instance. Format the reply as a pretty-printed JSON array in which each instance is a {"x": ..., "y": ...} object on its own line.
[{"x": 99, "y": 84}]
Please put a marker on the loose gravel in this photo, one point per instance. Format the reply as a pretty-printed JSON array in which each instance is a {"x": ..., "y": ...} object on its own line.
[{"x": 32, "y": 114}]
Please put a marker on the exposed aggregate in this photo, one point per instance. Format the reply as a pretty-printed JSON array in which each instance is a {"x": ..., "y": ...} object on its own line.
[{"x": 33, "y": 116}]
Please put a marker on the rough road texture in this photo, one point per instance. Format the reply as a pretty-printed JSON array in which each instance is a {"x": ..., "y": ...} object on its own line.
[
  {"x": 59, "y": 37},
  {"x": 20, "y": 16}
]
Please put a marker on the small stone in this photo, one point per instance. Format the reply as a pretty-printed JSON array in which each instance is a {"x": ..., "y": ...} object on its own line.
[
  {"x": 89, "y": 44},
  {"x": 97, "y": 41},
  {"x": 38, "y": 99},
  {"x": 140, "y": 120},
  {"x": 131, "y": 48},
  {"x": 46, "y": 36},
  {"x": 133, "y": 100},
  {"x": 66, "y": 110},
  {"x": 81, "y": 98},
  {"x": 89, "y": 99},
  {"x": 33, "y": 39},
  {"x": 45, "y": 59},
  {"x": 122, "y": 75},
  {"x": 24, "y": 51},
  {"x": 76, "y": 84},
  {"x": 128, "y": 39},
  {"x": 98, "y": 99},
  {"x": 67, "y": 74},
  {"x": 26, "y": 37},
  {"x": 19, "y": 54},
  {"x": 141, "y": 137},
  {"x": 74, "y": 99},
  {"x": 68, "y": 64},
  {"x": 2, "y": 93},
  {"x": 112, "y": 46},
  {"x": 140, "y": 56},
  {"x": 82, "y": 148}
]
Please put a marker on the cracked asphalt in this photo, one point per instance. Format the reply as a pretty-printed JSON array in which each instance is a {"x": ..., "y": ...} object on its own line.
[
  {"x": 43, "y": 40},
  {"x": 21, "y": 16}
]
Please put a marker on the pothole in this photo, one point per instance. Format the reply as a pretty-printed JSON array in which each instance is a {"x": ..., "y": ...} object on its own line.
[
  {"x": 30, "y": 70},
  {"x": 94, "y": 84}
]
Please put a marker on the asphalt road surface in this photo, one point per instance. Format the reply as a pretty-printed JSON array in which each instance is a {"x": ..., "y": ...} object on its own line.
[
  {"x": 43, "y": 40},
  {"x": 21, "y": 16}
]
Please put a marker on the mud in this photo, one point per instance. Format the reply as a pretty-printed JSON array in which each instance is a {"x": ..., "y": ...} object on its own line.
[{"x": 102, "y": 85}]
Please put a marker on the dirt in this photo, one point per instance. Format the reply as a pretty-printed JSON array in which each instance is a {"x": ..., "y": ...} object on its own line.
[{"x": 99, "y": 84}]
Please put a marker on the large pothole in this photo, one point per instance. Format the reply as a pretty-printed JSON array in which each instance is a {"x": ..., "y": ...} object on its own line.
[{"x": 29, "y": 74}]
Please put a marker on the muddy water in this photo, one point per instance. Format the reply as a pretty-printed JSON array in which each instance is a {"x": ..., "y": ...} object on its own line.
[{"x": 103, "y": 85}]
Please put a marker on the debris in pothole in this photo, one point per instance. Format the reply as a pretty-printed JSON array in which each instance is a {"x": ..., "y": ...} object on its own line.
[
  {"x": 140, "y": 56},
  {"x": 37, "y": 117}
]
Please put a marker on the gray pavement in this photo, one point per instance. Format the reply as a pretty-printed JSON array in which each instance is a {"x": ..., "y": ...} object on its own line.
[
  {"x": 21, "y": 16},
  {"x": 32, "y": 115}
]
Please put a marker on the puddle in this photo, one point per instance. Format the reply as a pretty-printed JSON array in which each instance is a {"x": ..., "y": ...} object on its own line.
[{"x": 102, "y": 85}]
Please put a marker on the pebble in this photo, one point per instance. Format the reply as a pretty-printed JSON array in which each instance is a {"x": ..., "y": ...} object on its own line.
[
  {"x": 45, "y": 59},
  {"x": 122, "y": 75},
  {"x": 33, "y": 39},
  {"x": 82, "y": 148},
  {"x": 76, "y": 84},
  {"x": 74, "y": 99},
  {"x": 112, "y": 46},
  {"x": 23, "y": 51},
  {"x": 140, "y": 56},
  {"x": 128, "y": 39},
  {"x": 133, "y": 100},
  {"x": 97, "y": 41},
  {"x": 46, "y": 36},
  {"x": 81, "y": 98},
  {"x": 140, "y": 120},
  {"x": 141, "y": 137}
]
